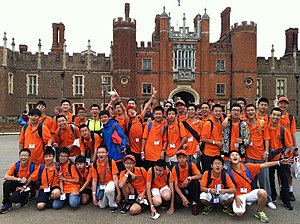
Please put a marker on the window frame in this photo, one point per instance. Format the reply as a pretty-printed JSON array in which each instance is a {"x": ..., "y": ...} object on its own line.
[
  {"x": 220, "y": 94},
  {"x": 284, "y": 87},
  {"x": 219, "y": 68},
  {"x": 147, "y": 68},
  {"x": 146, "y": 93},
  {"x": 28, "y": 76},
  {"x": 76, "y": 85},
  {"x": 10, "y": 83}
]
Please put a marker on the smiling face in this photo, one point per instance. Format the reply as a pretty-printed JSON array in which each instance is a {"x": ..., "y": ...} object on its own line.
[
  {"x": 217, "y": 113},
  {"x": 94, "y": 111},
  {"x": 62, "y": 122},
  {"x": 159, "y": 171},
  {"x": 171, "y": 116},
  {"x": 129, "y": 164},
  {"x": 85, "y": 132},
  {"x": 191, "y": 112},
  {"x": 104, "y": 119},
  {"x": 235, "y": 157},
  {"x": 158, "y": 115},
  {"x": 81, "y": 114},
  {"x": 251, "y": 112},
  {"x": 283, "y": 105},
  {"x": 275, "y": 116},
  {"x": 65, "y": 107},
  {"x": 34, "y": 119},
  {"x": 24, "y": 157},
  {"x": 235, "y": 112},
  {"x": 63, "y": 157},
  {"x": 49, "y": 158},
  {"x": 205, "y": 109},
  {"x": 181, "y": 159}
]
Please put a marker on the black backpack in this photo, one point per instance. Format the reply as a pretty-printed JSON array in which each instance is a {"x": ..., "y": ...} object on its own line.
[
  {"x": 189, "y": 169},
  {"x": 223, "y": 178}
]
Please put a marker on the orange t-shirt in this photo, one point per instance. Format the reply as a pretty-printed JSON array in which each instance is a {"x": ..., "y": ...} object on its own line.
[
  {"x": 181, "y": 118},
  {"x": 159, "y": 182},
  {"x": 258, "y": 135},
  {"x": 191, "y": 142},
  {"x": 215, "y": 135},
  {"x": 136, "y": 133},
  {"x": 154, "y": 140},
  {"x": 265, "y": 118},
  {"x": 175, "y": 133},
  {"x": 84, "y": 176},
  {"x": 184, "y": 173},
  {"x": 240, "y": 183},
  {"x": 23, "y": 172},
  {"x": 139, "y": 183},
  {"x": 205, "y": 119},
  {"x": 48, "y": 122},
  {"x": 31, "y": 140},
  {"x": 285, "y": 121},
  {"x": 90, "y": 144},
  {"x": 78, "y": 122},
  {"x": 216, "y": 180},
  {"x": 110, "y": 171},
  {"x": 275, "y": 140},
  {"x": 49, "y": 177},
  {"x": 121, "y": 122},
  {"x": 68, "y": 186},
  {"x": 66, "y": 137}
]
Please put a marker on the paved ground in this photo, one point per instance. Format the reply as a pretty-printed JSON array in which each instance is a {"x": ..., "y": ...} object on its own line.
[{"x": 90, "y": 213}]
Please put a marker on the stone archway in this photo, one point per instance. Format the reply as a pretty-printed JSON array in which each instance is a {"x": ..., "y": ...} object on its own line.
[{"x": 187, "y": 94}]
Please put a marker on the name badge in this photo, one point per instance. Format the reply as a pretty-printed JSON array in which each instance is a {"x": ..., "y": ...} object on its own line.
[
  {"x": 251, "y": 143},
  {"x": 243, "y": 190},
  {"x": 31, "y": 146},
  {"x": 172, "y": 146},
  {"x": 131, "y": 197},
  {"x": 218, "y": 188},
  {"x": 191, "y": 139},
  {"x": 102, "y": 187},
  {"x": 62, "y": 197},
  {"x": 47, "y": 190},
  {"x": 216, "y": 200},
  {"x": 137, "y": 140},
  {"x": 88, "y": 161},
  {"x": 236, "y": 145},
  {"x": 156, "y": 142}
]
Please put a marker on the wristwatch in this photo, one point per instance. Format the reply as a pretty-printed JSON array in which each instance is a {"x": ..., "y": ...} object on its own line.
[{"x": 189, "y": 178}]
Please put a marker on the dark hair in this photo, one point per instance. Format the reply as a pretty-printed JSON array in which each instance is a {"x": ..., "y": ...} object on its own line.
[
  {"x": 49, "y": 151},
  {"x": 95, "y": 105},
  {"x": 158, "y": 108},
  {"x": 218, "y": 158},
  {"x": 104, "y": 112},
  {"x": 83, "y": 126},
  {"x": 167, "y": 103},
  {"x": 263, "y": 99},
  {"x": 235, "y": 151},
  {"x": 65, "y": 101},
  {"x": 41, "y": 102},
  {"x": 103, "y": 147},
  {"x": 59, "y": 116},
  {"x": 204, "y": 103},
  {"x": 241, "y": 99},
  {"x": 146, "y": 101},
  {"x": 276, "y": 109},
  {"x": 171, "y": 109},
  {"x": 235, "y": 105},
  {"x": 192, "y": 105},
  {"x": 131, "y": 99},
  {"x": 161, "y": 163},
  {"x": 250, "y": 105},
  {"x": 118, "y": 103},
  {"x": 80, "y": 159},
  {"x": 25, "y": 150},
  {"x": 34, "y": 111},
  {"x": 217, "y": 106},
  {"x": 64, "y": 150}
]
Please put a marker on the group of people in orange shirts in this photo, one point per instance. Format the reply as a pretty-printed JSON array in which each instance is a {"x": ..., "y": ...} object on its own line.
[{"x": 167, "y": 156}]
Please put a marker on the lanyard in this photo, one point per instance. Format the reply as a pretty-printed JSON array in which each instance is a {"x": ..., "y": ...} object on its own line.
[
  {"x": 52, "y": 177},
  {"x": 104, "y": 176}
]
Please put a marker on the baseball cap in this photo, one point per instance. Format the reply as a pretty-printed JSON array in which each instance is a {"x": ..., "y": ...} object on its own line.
[
  {"x": 180, "y": 102},
  {"x": 283, "y": 99},
  {"x": 181, "y": 152},
  {"x": 129, "y": 157}
]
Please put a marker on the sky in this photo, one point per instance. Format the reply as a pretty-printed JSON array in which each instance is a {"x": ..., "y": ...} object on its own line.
[{"x": 29, "y": 20}]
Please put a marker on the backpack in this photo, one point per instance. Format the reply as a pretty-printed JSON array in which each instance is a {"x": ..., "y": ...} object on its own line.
[
  {"x": 130, "y": 124},
  {"x": 191, "y": 130},
  {"x": 73, "y": 131},
  {"x": 223, "y": 178},
  {"x": 18, "y": 164},
  {"x": 40, "y": 128},
  {"x": 189, "y": 170},
  {"x": 41, "y": 169},
  {"x": 153, "y": 175},
  {"x": 88, "y": 152},
  {"x": 167, "y": 129},
  {"x": 95, "y": 166},
  {"x": 249, "y": 175},
  {"x": 150, "y": 126}
]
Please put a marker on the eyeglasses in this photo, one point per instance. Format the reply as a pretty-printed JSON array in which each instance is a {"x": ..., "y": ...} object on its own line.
[
  {"x": 128, "y": 164},
  {"x": 24, "y": 155},
  {"x": 236, "y": 110},
  {"x": 63, "y": 156}
]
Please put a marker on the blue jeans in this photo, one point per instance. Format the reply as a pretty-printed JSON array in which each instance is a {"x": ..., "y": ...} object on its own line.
[{"x": 74, "y": 201}]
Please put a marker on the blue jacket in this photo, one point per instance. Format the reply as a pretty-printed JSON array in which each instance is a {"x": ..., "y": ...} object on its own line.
[{"x": 113, "y": 152}]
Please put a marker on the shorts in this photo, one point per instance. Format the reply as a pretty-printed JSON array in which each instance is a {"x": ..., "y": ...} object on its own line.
[
  {"x": 158, "y": 192},
  {"x": 249, "y": 197},
  {"x": 44, "y": 197},
  {"x": 143, "y": 204},
  {"x": 222, "y": 197}
]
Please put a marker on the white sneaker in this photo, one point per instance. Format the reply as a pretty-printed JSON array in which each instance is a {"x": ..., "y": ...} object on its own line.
[{"x": 271, "y": 205}]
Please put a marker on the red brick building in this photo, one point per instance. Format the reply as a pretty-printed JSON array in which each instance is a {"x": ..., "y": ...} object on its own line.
[{"x": 178, "y": 63}]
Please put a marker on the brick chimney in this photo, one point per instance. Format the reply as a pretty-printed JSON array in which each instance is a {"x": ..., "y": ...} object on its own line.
[
  {"x": 23, "y": 48},
  {"x": 225, "y": 21},
  {"x": 291, "y": 40},
  {"x": 127, "y": 10}
]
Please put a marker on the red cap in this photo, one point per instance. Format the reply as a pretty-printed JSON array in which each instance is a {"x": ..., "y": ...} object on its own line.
[
  {"x": 283, "y": 99},
  {"x": 180, "y": 102},
  {"x": 181, "y": 152},
  {"x": 210, "y": 100},
  {"x": 80, "y": 108},
  {"x": 129, "y": 157},
  {"x": 129, "y": 107}
]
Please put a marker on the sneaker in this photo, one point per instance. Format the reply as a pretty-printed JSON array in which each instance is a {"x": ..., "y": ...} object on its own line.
[
  {"x": 271, "y": 205},
  {"x": 25, "y": 203},
  {"x": 113, "y": 209},
  {"x": 261, "y": 216},
  {"x": 248, "y": 203},
  {"x": 228, "y": 210},
  {"x": 5, "y": 208},
  {"x": 206, "y": 210},
  {"x": 125, "y": 208},
  {"x": 195, "y": 209},
  {"x": 292, "y": 196},
  {"x": 288, "y": 206}
]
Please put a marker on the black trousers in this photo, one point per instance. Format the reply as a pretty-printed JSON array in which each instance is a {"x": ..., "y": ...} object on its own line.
[
  {"x": 206, "y": 162},
  {"x": 10, "y": 195},
  {"x": 192, "y": 195},
  {"x": 282, "y": 171},
  {"x": 147, "y": 164},
  {"x": 139, "y": 162}
]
